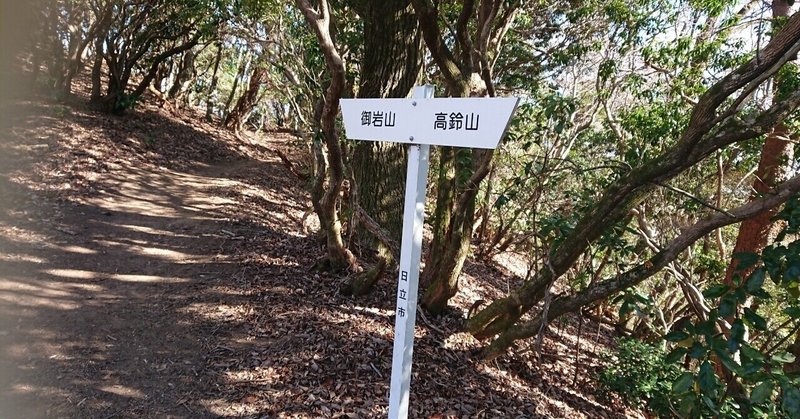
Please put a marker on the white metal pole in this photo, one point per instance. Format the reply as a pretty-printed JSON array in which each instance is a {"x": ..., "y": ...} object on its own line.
[{"x": 408, "y": 279}]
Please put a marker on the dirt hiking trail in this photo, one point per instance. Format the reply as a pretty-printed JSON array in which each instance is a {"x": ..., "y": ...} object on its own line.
[{"x": 155, "y": 266}]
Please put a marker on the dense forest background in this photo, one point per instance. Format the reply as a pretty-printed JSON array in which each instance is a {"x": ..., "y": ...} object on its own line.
[{"x": 648, "y": 182}]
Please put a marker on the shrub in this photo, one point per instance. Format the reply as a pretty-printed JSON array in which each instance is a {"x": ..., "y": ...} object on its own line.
[{"x": 639, "y": 373}]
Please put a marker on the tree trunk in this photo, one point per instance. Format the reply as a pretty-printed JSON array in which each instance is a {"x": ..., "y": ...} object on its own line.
[
  {"x": 184, "y": 77},
  {"x": 485, "y": 211},
  {"x": 57, "y": 53},
  {"x": 391, "y": 65},
  {"x": 117, "y": 100},
  {"x": 243, "y": 64},
  {"x": 443, "y": 268},
  {"x": 445, "y": 178},
  {"x": 462, "y": 68},
  {"x": 97, "y": 72},
  {"x": 212, "y": 88},
  {"x": 338, "y": 257},
  {"x": 78, "y": 42},
  {"x": 248, "y": 100},
  {"x": 74, "y": 53},
  {"x": 606, "y": 288},
  {"x": 98, "y": 37},
  {"x": 773, "y": 168}
]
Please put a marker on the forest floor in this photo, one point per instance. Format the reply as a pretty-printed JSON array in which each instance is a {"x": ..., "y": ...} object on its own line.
[{"x": 152, "y": 265}]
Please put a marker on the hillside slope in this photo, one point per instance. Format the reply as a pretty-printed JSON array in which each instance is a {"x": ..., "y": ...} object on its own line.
[{"x": 154, "y": 265}]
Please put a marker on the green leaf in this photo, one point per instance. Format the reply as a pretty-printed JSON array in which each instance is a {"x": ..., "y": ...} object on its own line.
[
  {"x": 751, "y": 359},
  {"x": 641, "y": 298},
  {"x": 754, "y": 319},
  {"x": 741, "y": 295},
  {"x": 676, "y": 336},
  {"x": 737, "y": 335},
  {"x": 792, "y": 273},
  {"x": 751, "y": 353},
  {"x": 793, "y": 312},
  {"x": 707, "y": 380},
  {"x": 791, "y": 401},
  {"x": 706, "y": 328},
  {"x": 783, "y": 357},
  {"x": 745, "y": 260},
  {"x": 675, "y": 355},
  {"x": 727, "y": 307},
  {"x": 717, "y": 342},
  {"x": 755, "y": 281},
  {"x": 683, "y": 383},
  {"x": 761, "y": 392},
  {"x": 715, "y": 291},
  {"x": 710, "y": 403},
  {"x": 686, "y": 407},
  {"x": 626, "y": 308},
  {"x": 501, "y": 200},
  {"x": 697, "y": 351},
  {"x": 728, "y": 362}
]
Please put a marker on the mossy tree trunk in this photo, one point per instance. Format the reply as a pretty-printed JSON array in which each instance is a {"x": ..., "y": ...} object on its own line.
[
  {"x": 391, "y": 66},
  {"x": 466, "y": 69}
]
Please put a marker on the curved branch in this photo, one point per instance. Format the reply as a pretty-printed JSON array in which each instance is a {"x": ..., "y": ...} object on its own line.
[
  {"x": 428, "y": 15},
  {"x": 704, "y": 135},
  {"x": 604, "y": 289}
]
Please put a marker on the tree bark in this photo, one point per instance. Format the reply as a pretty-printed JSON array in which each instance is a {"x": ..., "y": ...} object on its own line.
[
  {"x": 467, "y": 72},
  {"x": 243, "y": 64},
  {"x": 130, "y": 44},
  {"x": 78, "y": 43},
  {"x": 391, "y": 65},
  {"x": 248, "y": 100},
  {"x": 443, "y": 268},
  {"x": 485, "y": 211},
  {"x": 103, "y": 26},
  {"x": 184, "y": 78},
  {"x": 338, "y": 257},
  {"x": 118, "y": 82},
  {"x": 56, "y": 66},
  {"x": 773, "y": 167},
  {"x": 212, "y": 88}
]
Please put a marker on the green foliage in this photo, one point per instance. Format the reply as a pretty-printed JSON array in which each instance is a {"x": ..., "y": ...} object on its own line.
[
  {"x": 709, "y": 263},
  {"x": 763, "y": 388},
  {"x": 124, "y": 102},
  {"x": 640, "y": 375},
  {"x": 713, "y": 7},
  {"x": 654, "y": 127}
]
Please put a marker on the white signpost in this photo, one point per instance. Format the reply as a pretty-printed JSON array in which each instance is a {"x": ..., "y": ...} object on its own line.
[{"x": 421, "y": 121}]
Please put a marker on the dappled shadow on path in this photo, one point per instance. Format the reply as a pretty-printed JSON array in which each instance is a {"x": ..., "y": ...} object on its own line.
[
  {"x": 149, "y": 268},
  {"x": 114, "y": 299}
]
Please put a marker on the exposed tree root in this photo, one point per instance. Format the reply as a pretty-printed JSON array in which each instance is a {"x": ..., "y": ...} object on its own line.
[{"x": 362, "y": 283}]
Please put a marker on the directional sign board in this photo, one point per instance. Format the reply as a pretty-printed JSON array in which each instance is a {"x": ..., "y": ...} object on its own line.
[
  {"x": 421, "y": 121},
  {"x": 458, "y": 122}
]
